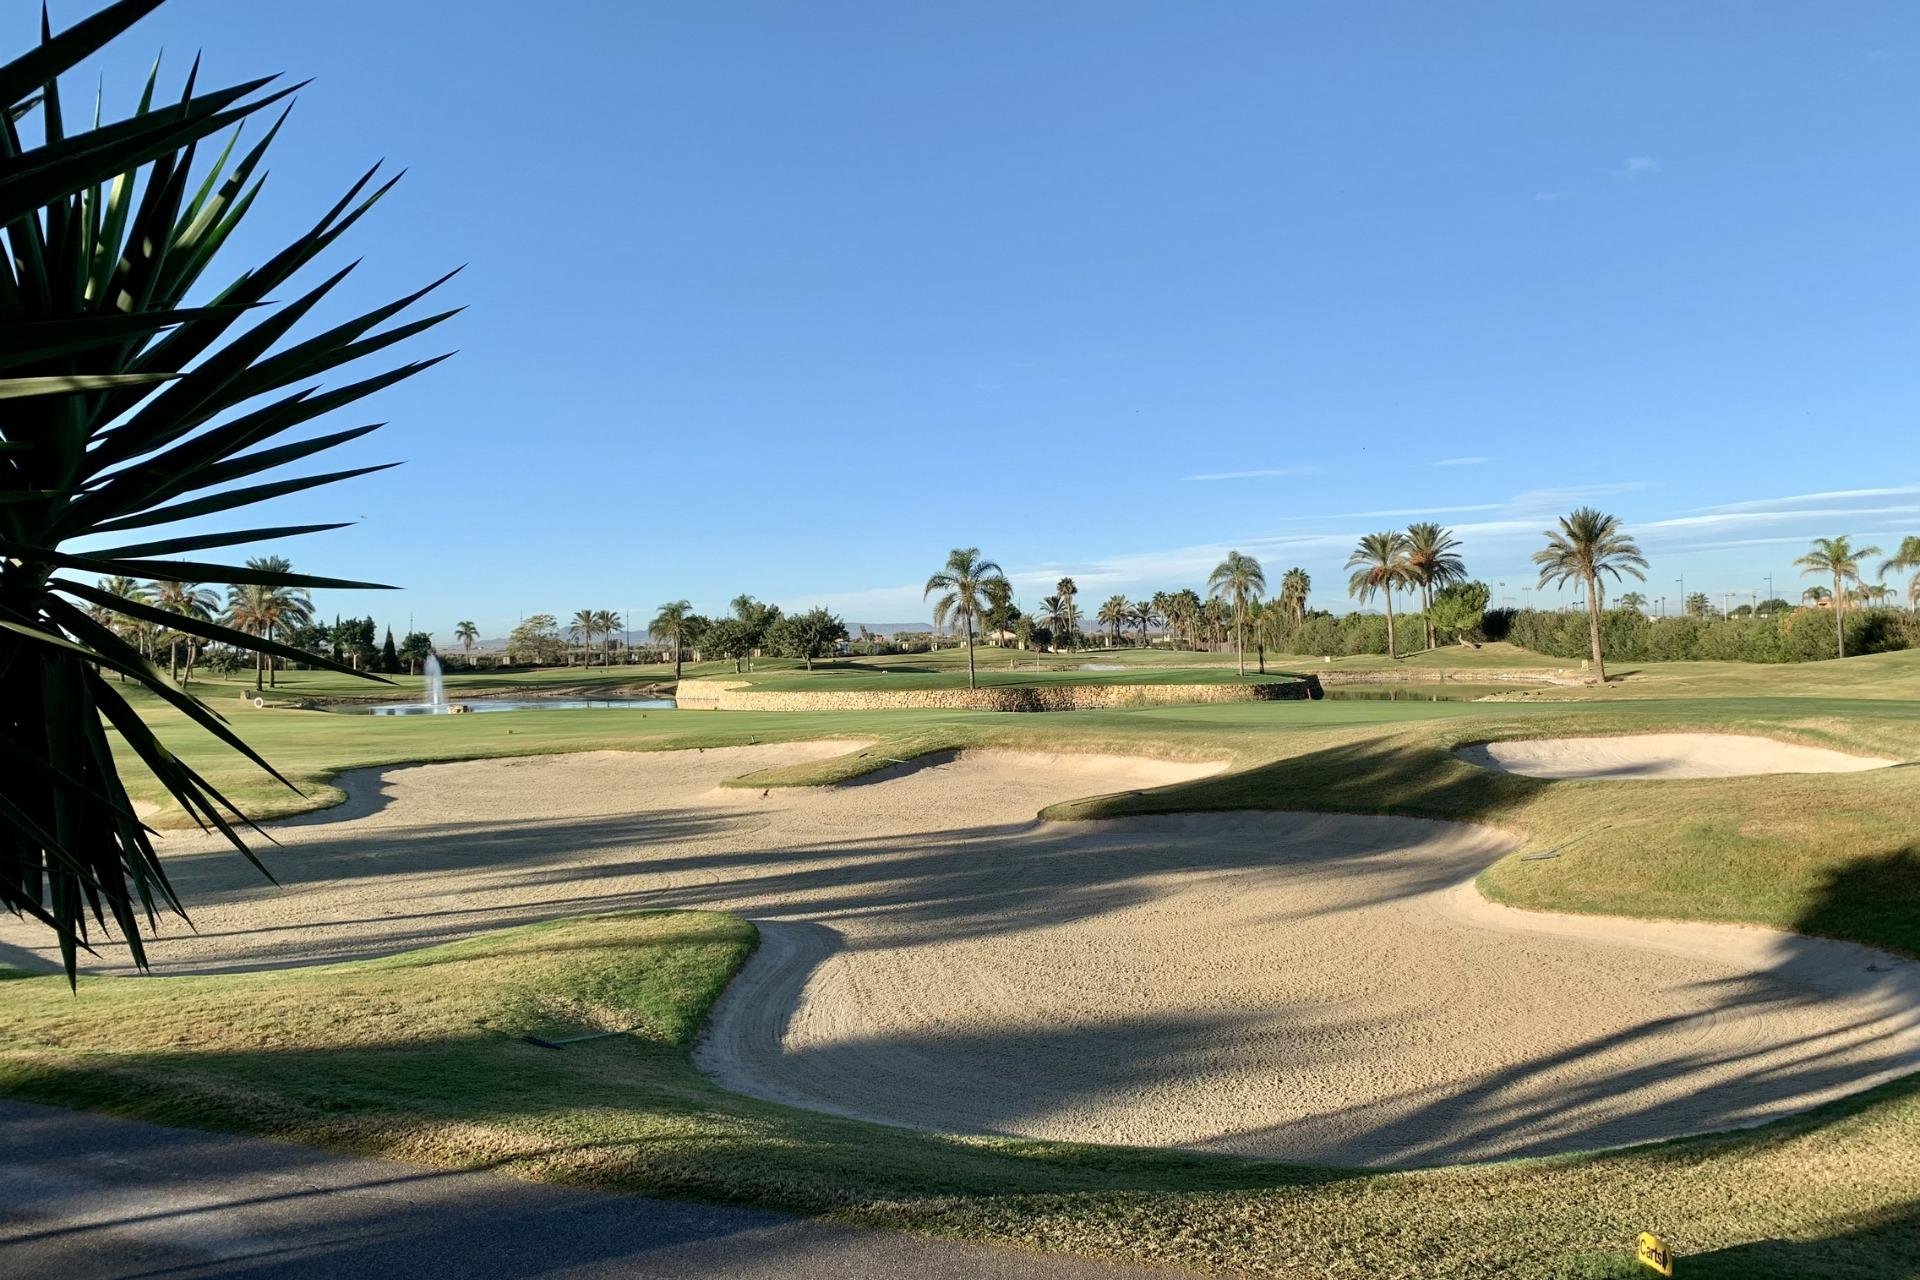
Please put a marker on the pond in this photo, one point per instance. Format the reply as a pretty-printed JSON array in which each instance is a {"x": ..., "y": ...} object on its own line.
[
  {"x": 501, "y": 704},
  {"x": 1412, "y": 692}
]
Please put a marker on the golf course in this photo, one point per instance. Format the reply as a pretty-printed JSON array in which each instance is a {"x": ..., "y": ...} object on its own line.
[
  {"x": 1324, "y": 995},
  {"x": 1080, "y": 641}
]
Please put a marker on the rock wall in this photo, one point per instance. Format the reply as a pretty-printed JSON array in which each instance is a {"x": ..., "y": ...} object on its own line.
[{"x": 736, "y": 695}]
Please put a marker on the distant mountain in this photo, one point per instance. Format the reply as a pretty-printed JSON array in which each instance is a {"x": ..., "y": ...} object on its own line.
[{"x": 885, "y": 628}]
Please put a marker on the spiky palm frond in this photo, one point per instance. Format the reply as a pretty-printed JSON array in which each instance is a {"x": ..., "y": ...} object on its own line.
[{"x": 132, "y": 397}]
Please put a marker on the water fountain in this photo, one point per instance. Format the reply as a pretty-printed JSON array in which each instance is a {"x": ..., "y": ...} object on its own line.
[{"x": 436, "y": 684}]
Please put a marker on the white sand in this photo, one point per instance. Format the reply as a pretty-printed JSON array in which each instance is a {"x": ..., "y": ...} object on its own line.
[
  {"x": 1662, "y": 755},
  {"x": 1295, "y": 985}
]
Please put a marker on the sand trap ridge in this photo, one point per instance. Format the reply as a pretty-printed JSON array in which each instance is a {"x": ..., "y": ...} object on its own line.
[
  {"x": 1662, "y": 755},
  {"x": 1304, "y": 986}
]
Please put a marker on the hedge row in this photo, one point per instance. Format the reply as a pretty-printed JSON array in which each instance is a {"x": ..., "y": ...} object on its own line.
[{"x": 1805, "y": 635}]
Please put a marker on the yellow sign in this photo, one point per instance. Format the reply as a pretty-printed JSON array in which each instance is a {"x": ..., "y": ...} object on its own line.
[{"x": 1653, "y": 1252}]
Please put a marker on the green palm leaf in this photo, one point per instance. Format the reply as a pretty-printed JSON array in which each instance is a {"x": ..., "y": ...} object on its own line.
[{"x": 133, "y": 400}]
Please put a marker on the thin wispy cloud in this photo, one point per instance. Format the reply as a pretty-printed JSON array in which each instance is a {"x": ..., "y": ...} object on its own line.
[
  {"x": 1638, "y": 166},
  {"x": 1828, "y": 496},
  {"x": 1549, "y": 197},
  {"x": 1261, "y": 473},
  {"x": 1462, "y": 462}
]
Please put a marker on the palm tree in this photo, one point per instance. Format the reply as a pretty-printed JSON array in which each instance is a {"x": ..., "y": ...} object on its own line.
[
  {"x": 270, "y": 612},
  {"x": 1145, "y": 614},
  {"x": 1634, "y": 601},
  {"x": 1816, "y": 595},
  {"x": 999, "y": 614},
  {"x": 1114, "y": 615},
  {"x": 1587, "y": 546},
  {"x": 1238, "y": 580},
  {"x": 960, "y": 586},
  {"x": 1907, "y": 557},
  {"x": 468, "y": 635},
  {"x": 186, "y": 600},
  {"x": 583, "y": 628},
  {"x": 279, "y": 611},
  {"x": 607, "y": 621},
  {"x": 1840, "y": 560},
  {"x": 670, "y": 624},
  {"x": 1380, "y": 565},
  {"x": 1053, "y": 616},
  {"x": 1434, "y": 562},
  {"x": 121, "y": 587},
  {"x": 1067, "y": 590},
  {"x": 1210, "y": 618},
  {"x": 1294, "y": 586}
]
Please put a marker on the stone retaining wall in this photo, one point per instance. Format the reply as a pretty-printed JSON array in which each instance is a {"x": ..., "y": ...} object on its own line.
[{"x": 736, "y": 695}]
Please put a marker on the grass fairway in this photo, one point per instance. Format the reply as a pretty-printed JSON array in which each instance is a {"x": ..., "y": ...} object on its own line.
[{"x": 387, "y": 1056}]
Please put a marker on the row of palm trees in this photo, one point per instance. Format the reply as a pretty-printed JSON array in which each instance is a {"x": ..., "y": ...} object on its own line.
[
  {"x": 274, "y": 613},
  {"x": 1838, "y": 560}
]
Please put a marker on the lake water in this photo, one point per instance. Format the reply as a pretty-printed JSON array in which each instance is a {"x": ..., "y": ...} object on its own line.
[
  {"x": 502, "y": 704},
  {"x": 1412, "y": 693}
]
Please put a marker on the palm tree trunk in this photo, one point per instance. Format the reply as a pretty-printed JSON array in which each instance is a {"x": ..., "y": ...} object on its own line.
[
  {"x": 1426, "y": 608},
  {"x": 173, "y": 660},
  {"x": 1392, "y": 649},
  {"x": 677, "y": 651},
  {"x": 969, "y": 622},
  {"x": 1593, "y": 629},
  {"x": 1240, "y": 639},
  {"x": 1839, "y": 615}
]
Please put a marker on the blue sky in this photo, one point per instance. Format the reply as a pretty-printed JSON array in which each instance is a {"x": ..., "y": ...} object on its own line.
[{"x": 792, "y": 298}]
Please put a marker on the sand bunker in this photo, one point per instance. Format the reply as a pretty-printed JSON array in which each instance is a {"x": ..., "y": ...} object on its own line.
[
  {"x": 1662, "y": 755},
  {"x": 1309, "y": 987}
]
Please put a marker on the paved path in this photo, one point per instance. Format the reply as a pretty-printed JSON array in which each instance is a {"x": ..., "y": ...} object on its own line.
[{"x": 86, "y": 1197}]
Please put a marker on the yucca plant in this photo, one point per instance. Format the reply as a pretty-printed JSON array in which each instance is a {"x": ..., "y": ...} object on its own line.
[{"x": 133, "y": 398}]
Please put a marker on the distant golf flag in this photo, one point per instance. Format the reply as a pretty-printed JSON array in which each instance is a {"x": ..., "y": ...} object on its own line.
[{"x": 1653, "y": 1252}]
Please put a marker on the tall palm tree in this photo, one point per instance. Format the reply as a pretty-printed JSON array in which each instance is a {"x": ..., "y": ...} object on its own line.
[
  {"x": 1433, "y": 559},
  {"x": 1066, "y": 589},
  {"x": 468, "y": 635},
  {"x": 1380, "y": 565},
  {"x": 1114, "y": 615},
  {"x": 960, "y": 586},
  {"x": 1209, "y": 620},
  {"x": 1816, "y": 595},
  {"x": 270, "y": 612},
  {"x": 1294, "y": 586},
  {"x": 1145, "y": 613},
  {"x": 1907, "y": 557},
  {"x": 1053, "y": 616},
  {"x": 1840, "y": 560},
  {"x": 185, "y": 600},
  {"x": 279, "y": 611},
  {"x": 1635, "y": 601},
  {"x": 121, "y": 587},
  {"x": 583, "y": 629},
  {"x": 1238, "y": 580},
  {"x": 606, "y": 621},
  {"x": 1183, "y": 611},
  {"x": 670, "y": 624},
  {"x": 1587, "y": 546}
]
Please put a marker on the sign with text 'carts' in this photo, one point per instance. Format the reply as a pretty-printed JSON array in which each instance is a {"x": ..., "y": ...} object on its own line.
[{"x": 1653, "y": 1252}]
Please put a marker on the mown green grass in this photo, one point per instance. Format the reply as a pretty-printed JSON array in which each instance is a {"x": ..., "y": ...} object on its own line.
[
  {"x": 385, "y": 1056},
  {"x": 417, "y": 1057}
]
